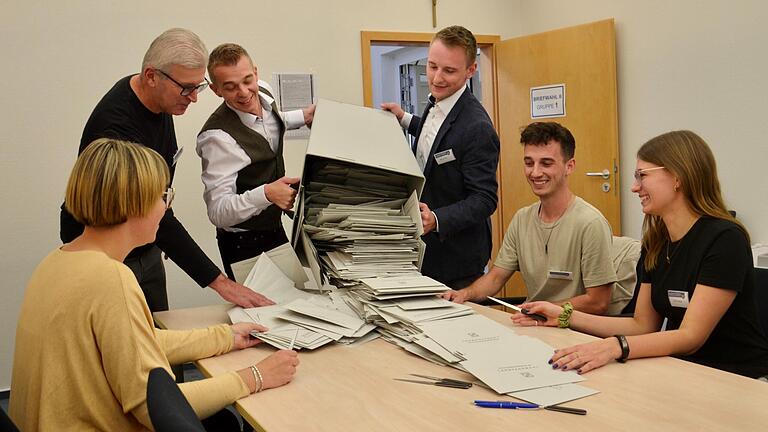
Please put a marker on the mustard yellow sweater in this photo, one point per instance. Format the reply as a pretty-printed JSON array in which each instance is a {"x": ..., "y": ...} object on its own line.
[{"x": 85, "y": 344}]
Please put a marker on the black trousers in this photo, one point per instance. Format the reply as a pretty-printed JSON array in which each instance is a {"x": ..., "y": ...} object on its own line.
[
  {"x": 458, "y": 284},
  {"x": 150, "y": 272},
  {"x": 238, "y": 246}
]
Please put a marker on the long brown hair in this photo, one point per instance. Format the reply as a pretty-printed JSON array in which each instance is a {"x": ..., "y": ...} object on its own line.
[{"x": 689, "y": 158}]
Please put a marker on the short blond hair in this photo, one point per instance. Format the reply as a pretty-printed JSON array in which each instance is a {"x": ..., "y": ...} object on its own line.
[
  {"x": 113, "y": 180},
  {"x": 458, "y": 36}
]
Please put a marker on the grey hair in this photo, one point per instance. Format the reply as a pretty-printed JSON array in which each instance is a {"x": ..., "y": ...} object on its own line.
[{"x": 176, "y": 46}]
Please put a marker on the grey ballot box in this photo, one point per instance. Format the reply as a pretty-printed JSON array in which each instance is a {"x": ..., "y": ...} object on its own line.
[{"x": 355, "y": 136}]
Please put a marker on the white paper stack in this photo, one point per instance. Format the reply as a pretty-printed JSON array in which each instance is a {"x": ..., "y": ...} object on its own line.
[{"x": 402, "y": 287}]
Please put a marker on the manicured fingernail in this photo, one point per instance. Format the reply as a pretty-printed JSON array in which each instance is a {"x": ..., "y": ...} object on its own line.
[
  {"x": 554, "y": 366},
  {"x": 565, "y": 367},
  {"x": 578, "y": 371},
  {"x": 549, "y": 361}
]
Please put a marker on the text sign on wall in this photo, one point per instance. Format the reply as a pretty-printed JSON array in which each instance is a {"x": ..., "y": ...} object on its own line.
[{"x": 548, "y": 101}]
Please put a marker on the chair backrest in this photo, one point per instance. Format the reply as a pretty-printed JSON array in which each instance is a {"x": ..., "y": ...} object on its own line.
[
  {"x": 625, "y": 252},
  {"x": 6, "y": 424},
  {"x": 761, "y": 296},
  {"x": 168, "y": 409}
]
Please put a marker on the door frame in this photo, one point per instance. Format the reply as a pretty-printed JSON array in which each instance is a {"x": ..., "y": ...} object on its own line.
[{"x": 487, "y": 63}]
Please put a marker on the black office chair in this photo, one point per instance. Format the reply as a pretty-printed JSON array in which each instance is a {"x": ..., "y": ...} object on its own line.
[
  {"x": 6, "y": 424},
  {"x": 761, "y": 296},
  {"x": 168, "y": 409}
]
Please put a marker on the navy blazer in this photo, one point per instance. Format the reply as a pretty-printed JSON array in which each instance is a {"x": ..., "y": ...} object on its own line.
[{"x": 462, "y": 192}]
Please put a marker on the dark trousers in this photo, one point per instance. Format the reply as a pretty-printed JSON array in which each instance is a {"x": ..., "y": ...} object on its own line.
[
  {"x": 238, "y": 246},
  {"x": 150, "y": 272},
  {"x": 458, "y": 284}
]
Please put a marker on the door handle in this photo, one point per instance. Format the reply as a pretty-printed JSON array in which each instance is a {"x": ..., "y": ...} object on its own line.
[{"x": 604, "y": 174}]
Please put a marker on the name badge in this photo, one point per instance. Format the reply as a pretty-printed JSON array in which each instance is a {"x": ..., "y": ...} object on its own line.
[
  {"x": 445, "y": 157},
  {"x": 678, "y": 298},
  {"x": 177, "y": 156},
  {"x": 560, "y": 274}
]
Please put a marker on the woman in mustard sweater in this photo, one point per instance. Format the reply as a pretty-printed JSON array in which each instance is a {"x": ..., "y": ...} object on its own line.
[{"x": 85, "y": 340}]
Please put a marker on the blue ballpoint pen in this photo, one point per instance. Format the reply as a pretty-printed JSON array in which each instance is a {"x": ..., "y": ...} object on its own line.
[
  {"x": 521, "y": 405},
  {"x": 503, "y": 404}
]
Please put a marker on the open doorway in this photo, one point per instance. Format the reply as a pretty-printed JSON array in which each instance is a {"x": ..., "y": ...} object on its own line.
[{"x": 399, "y": 75}]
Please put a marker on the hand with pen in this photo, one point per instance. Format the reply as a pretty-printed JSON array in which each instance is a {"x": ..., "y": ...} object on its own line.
[
  {"x": 549, "y": 310},
  {"x": 274, "y": 371}
]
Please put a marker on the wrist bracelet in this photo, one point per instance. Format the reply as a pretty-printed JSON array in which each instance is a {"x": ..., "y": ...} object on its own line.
[
  {"x": 564, "y": 320},
  {"x": 257, "y": 377},
  {"x": 624, "y": 348}
]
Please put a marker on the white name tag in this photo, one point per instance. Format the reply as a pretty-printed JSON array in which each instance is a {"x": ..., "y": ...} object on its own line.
[
  {"x": 678, "y": 298},
  {"x": 445, "y": 157},
  {"x": 177, "y": 155},
  {"x": 560, "y": 274}
]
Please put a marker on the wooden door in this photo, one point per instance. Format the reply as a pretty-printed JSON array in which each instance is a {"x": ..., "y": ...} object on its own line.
[{"x": 584, "y": 59}]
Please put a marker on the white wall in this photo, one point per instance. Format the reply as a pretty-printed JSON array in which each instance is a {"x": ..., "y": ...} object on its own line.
[
  {"x": 685, "y": 64},
  {"x": 59, "y": 58}
]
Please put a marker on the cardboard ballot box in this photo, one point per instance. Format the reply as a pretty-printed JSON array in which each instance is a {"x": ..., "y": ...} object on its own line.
[{"x": 359, "y": 192}]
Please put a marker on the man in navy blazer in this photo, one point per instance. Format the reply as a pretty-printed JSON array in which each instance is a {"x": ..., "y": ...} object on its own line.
[{"x": 458, "y": 151}]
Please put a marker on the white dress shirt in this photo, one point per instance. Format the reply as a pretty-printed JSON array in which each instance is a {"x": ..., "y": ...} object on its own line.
[
  {"x": 432, "y": 124},
  {"x": 223, "y": 158}
]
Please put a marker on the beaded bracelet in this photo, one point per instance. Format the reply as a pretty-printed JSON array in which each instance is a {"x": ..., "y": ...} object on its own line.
[
  {"x": 564, "y": 320},
  {"x": 257, "y": 377}
]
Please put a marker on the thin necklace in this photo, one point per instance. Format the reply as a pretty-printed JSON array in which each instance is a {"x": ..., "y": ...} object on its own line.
[
  {"x": 546, "y": 242},
  {"x": 552, "y": 229},
  {"x": 671, "y": 255}
]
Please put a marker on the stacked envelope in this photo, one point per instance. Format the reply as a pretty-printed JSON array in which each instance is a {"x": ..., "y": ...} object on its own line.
[
  {"x": 357, "y": 207},
  {"x": 361, "y": 223}
]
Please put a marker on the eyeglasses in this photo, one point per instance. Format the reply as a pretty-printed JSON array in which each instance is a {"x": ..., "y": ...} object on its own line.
[
  {"x": 639, "y": 172},
  {"x": 187, "y": 90},
  {"x": 168, "y": 196}
]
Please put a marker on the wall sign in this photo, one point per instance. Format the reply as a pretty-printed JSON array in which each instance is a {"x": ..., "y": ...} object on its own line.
[{"x": 548, "y": 101}]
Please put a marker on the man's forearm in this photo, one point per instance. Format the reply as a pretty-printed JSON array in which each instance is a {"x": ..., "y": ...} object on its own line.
[
  {"x": 592, "y": 303},
  {"x": 487, "y": 285}
]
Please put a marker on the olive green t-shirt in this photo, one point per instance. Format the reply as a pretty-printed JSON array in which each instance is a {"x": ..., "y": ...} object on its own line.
[{"x": 559, "y": 260}]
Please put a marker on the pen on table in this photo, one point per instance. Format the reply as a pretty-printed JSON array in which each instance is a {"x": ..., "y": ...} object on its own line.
[
  {"x": 504, "y": 404},
  {"x": 537, "y": 317},
  {"x": 293, "y": 340},
  {"x": 524, "y": 406}
]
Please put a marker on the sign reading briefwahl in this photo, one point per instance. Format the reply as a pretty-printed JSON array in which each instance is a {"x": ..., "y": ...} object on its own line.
[{"x": 548, "y": 101}]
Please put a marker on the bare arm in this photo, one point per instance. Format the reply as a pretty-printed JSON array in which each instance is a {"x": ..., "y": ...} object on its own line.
[
  {"x": 488, "y": 284},
  {"x": 595, "y": 301},
  {"x": 707, "y": 307}
]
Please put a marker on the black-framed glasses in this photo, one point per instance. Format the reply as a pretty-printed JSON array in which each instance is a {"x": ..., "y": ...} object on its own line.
[
  {"x": 187, "y": 90},
  {"x": 168, "y": 196},
  {"x": 639, "y": 172}
]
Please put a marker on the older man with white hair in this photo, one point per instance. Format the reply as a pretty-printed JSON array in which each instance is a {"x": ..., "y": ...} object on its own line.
[{"x": 140, "y": 108}]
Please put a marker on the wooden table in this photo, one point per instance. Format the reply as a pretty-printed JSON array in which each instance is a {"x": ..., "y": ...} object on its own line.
[{"x": 350, "y": 388}]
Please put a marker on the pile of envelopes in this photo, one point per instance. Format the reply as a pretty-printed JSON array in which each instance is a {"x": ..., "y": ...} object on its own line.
[
  {"x": 360, "y": 223},
  {"x": 358, "y": 205},
  {"x": 410, "y": 316}
]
